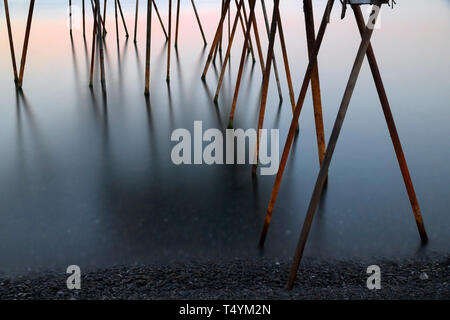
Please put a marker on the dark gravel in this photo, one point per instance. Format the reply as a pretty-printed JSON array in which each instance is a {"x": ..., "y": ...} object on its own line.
[{"x": 239, "y": 279}]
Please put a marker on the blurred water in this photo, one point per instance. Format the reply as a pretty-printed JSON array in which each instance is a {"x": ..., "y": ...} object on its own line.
[{"x": 89, "y": 181}]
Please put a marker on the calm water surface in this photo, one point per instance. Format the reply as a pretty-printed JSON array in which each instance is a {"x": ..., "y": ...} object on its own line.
[{"x": 89, "y": 181}]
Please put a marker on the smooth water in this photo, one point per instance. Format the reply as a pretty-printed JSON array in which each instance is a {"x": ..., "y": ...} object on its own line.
[{"x": 89, "y": 181}]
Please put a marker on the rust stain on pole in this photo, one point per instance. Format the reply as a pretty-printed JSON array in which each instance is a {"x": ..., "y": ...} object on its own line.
[
  {"x": 11, "y": 42},
  {"x": 25, "y": 44},
  {"x": 266, "y": 78},
  {"x": 241, "y": 66},
  {"x": 227, "y": 55},
  {"x": 123, "y": 19},
  {"x": 215, "y": 41},
  {"x": 169, "y": 41},
  {"x": 148, "y": 47},
  {"x": 392, "y": 129},
  {"x": 315, "y": 83},
  {"x": 329, "y": 154},
  {"x": 199, "y": 23},
  {"x": 294, "y": 123},
  {"x": 177, "y": 23},
  {"x": 160, "y": 20}
]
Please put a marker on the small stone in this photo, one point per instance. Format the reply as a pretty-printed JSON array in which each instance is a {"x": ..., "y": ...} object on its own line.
[{"x": 423, "y": 276}]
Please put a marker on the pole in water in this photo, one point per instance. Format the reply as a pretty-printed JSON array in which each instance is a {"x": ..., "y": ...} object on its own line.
[
  {"x": 25, "y": 44},
  {"x": 215, "y": 41},
  {"x": 294, "y": 122},
  {"x": 199, "y": 23},
  {"x": 169, "y": 41},
  {"x": 136, "y": 20},
  {"x": 11, "y": 42},
  {"x": 329, "y": 152},
  {"x": 392, "y": 129},
  {"x": 123, "y": 20},
  {"x": 148, "y": 47}
]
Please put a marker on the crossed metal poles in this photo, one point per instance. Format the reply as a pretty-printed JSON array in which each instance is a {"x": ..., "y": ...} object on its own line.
[
  {"x": 365, "y": 48},
  {"x": 18, "y": 76}
]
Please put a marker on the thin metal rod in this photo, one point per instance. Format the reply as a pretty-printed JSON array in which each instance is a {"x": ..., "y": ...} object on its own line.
[
  {"x": 116, "y": 19},
  {"x": 266, "y": 78},
  {"x": 199, "y": 23},
  {"x": 169, "y": 41},
  {"x": 250, "y": 44},
  {"x": 84, "y": 19},
  {"x": 315, "y": 83},
  {"x": 100, "y": 45},
  {"x": 123, "y": 19},
  {"x": 94, "y": 30},
  {"x": 160, "y": 20},
  {"x": 294, "y": 122},
  {"x": 70, "y": 16},
  {"x": 275, "y": 66},
  {"x": 105, "y": 3},
  {"x": 215, "y": 41},
  {"x": 177, "y": 23},
  {"x": 392, "y": 129},
  {"x": 242, "y": 63},
  {"x": 265, "y": 88},
  {"x": 229, "y": 24},
  {"x": 258, "y": 44},
  {"x": 330, "y": 149},
  {"x": 148, "y": 47},
  {"x": 286, "y": 63},
  {"x": 11, "y": 41},
  {"x": 136, "y": 17},
  {"x": 227, "y": 55},
  {"x": 25, "y": 43}
]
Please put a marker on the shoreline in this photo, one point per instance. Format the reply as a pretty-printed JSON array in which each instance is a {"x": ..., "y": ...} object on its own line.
[{"x": 241, "y": 280}]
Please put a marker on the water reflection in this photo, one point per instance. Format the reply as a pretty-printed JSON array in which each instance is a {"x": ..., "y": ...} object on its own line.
[{"x": 88, "y": 179}]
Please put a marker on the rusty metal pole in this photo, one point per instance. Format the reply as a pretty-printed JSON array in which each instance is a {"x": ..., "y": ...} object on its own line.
[
  {"x": 227, "y": 55},
  {"x": 258, "y": 44},
  {"x": 244, "y": 13},
  {"x": 123, "y": 20},
  {"x": 275, "y": 66},
  {"x": 289, "y": 82},
  {"x": 392, "y": 129},
  {"x": 11, "y": 42},
  {"x": 294, "y": 122},
  {"x": 136, "y": 17},
  {"x": 200, "y": 24},
  {"x": 84, "y": 19},
  {"x": 105, "y": 3},
  {"x": 117, "y": 20},
  {"x": 169, "y": 41},
  {"x": 266, "y": 78},
  {"x": 160, "y": 20},
  {"x": 242, "y": 63},
  {"x": 100, "y": 46},
  {"x": 94, "y": 29},
  {"x": 221, "y": 31},
  {"x": 250, "y": 46},
  {"x": 25, "y": 43},
  {"x": 215, "y": 41},
  {"x": 177, "y": 24},
  {"x": 148, "y": 47},
  {"x": 286, "y": 63},
  {"x": 70, "y": 17},
  {"x": 315, "y": 83},
  {"x": 330, "y": 149}
]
